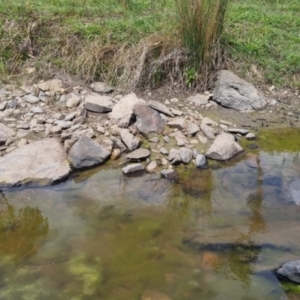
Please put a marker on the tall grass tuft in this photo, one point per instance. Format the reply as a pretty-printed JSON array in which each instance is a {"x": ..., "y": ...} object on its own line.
[{"x": 201, "y": 25}]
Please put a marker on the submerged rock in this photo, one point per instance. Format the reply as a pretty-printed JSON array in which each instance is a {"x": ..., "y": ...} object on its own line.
[
  {"x": 223, "y": 148},
  {"x": 290, "y": 271},
  {"x": 86, "y": 153},
  {"x": 233, "y": 92},
  {"x": 43, "y": 163}
]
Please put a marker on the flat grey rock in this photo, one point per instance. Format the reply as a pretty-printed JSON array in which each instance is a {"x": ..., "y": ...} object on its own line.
[
  {"x": 129, "y": 139},
  {"x": 148, "y": 120},
  {"x": 160, "y": 108},
  {"x": 238, "y": 130},
  {"x": 43, "y": 163},
  {"x": 122, "y": 112},
  {"x": 31, "y": 99},
  {"x": 233, "y": 92},
  {"x": 87, "y": 153},
  {"x": 138, "y": 154},
  {"x": 223, "y": 148},
  {"x": 290, "y": 271},
  {"x": 198, "y": 99},
  {"x": 98, "y": 103},
  {"x": 133, "y": 168}
]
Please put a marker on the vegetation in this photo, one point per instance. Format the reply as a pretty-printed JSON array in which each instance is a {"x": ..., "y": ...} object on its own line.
[{"x": 142, "y": 43}]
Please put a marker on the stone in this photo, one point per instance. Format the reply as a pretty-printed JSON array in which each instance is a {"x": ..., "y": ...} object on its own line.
[
  {"x": 227, "y": 123},
  {"x": 208, "y": 121},
  {"x": 179, "y": 123},
  {"x": 166, "y": 139},
  {"x": 129, "y": 139},
  {"x": 3, "y": 105},
  {"x": 6, "y": 133},
  {"x": 223, "y": 148},
  {"x": 174, "y": 156},
  {"x": 42, "y": 163},
  {"x": 117, "y": 143},
  {"x": 152, "y": 166},
  {"x": 164, "y": 162},
  {"x": 252, "y": 146},
  {"x": 290, "y": 271},
  {"x": 186, "y": 155},
  {"x": 70, "y": 116},
  {"x": 133, "y": 168},
  {"x": 22, "y": 133},
  {"x": 174, "y": 100},
  {"x": 180, "y": 141},
  {"x": 176, "y": 112},
  {"x": 154, "y": 139},
  {"x": 138, "y": 154},
  {"x": 54, "y": 86},
  {"x": 148, "y": 120},
  {"x": 63, "y": 124},
  {"x": 202, "y": 139},
  {"x": 87, "y": 153},
  {"x": 100, "y": 129},
  {"x": 116, "y": 154},
  {"x": 163, "y": 151},
  {"x": 22, "y": 143},
  {"x": 233, "y": 92},
  {"x": 56, "y": 130},
  {"x": 98, "y": 103},
  {"x": 122, "y": 112},
  {"x": 238, "y": 130},
  {"x": 192, "y": 129},
  {"x": 68, "y": 144},
  {"x": 73, "y": 101},
  {"x": 36, "y": 110},
  {"x": 208, "y": 131},
  {"x": 201, "y": 161},
  {"x": 160, "y": 108},
  {"x": 250, "y": 136},
  {"x": 169, "y": 174},
  {"x": 199, "y": 99},
  {"x": 101, "y": 87},
  {"x": 31, "y": 99}
]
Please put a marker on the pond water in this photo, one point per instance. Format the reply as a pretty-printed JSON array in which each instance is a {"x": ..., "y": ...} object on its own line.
[{"x": 213, "y": 234}]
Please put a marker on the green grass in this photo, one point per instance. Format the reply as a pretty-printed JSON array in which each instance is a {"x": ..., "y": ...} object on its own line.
[{"x": 84, "y": 37}]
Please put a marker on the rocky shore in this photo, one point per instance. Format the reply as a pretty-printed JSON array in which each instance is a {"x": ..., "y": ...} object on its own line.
[{"x": 48, "y": 130}]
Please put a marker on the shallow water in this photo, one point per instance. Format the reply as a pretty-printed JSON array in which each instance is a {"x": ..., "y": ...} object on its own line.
[{"x": 214, "y": 234}]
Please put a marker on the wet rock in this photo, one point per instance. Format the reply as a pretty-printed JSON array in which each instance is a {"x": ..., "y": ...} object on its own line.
[
  {"x": 99, "y": 104},
  {"x": 31, "y": 99},
  {"x": 208, "y": 131},
  {"x": 152, "y": 166},
  {"x": 101, "y": 87},
  {"x": 133, "y": 168},
  {"x": 116, "y": 154},
  {"x": 179, "y": 123},
  {"x": 233, "y": 92},
  {"x": 138, "y": 154},
  {"x": 87, "y": 153},
  {"x": 152, "y": 295},
  {"x": 122, "y": 112},
  {"x": 129, "y": 139},
  {"x": 223, "y": 148},
  {"x": 148, "y": 120},
  {"x": 201, "y": 161},
  {"x": 160, "y": 108},
  {"x": 238, "y": 130},
  {"x": 169, "y": 174},
  {"x": 174, "y": 156},
  {"x": 198, "y": 99},
  {"x": 186, "y": 155},
  {"x": 43, "y": 162},
  {"x": 290, "y": 271}
]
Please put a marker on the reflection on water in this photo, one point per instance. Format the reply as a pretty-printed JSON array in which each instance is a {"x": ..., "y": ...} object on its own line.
[{"x": 214, "y": 234}]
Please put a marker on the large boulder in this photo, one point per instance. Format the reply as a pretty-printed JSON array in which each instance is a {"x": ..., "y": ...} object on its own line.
[
  {"x": 224, "y": 147},
  {"x": 122, "y": 112},
  {"x": 148, "y": 120},
  {"x": 233, "y": 92},
  {"x": 87, "y": 153},
  {"x": 290, "y": 271},
  {"x": 42, "y": 163}
]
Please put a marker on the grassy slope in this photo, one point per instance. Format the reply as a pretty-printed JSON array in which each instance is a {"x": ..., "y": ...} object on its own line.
[{"x": 260, "y": 33}]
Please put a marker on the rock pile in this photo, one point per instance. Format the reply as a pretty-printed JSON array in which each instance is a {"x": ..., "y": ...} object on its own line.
[{"x": 95, "y": 125}]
